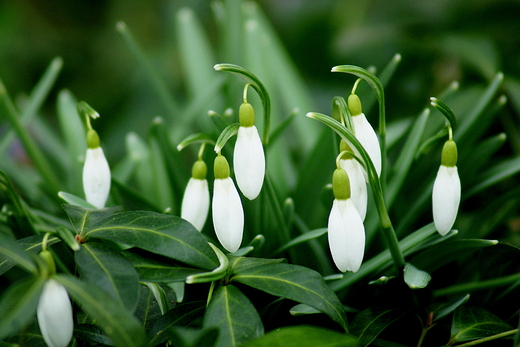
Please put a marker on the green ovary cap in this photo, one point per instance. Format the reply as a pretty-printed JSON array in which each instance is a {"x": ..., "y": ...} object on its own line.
[
  {"x": 49, "y": 261},
  {"x": 246, "y": 115},
  {"x": 199, "y": 170},
  {"x": 354, "y": 105},
  {"x": 340, "y": 184},
  {"x": 221, "y": 167},
  {"x": 92, "y": 139},
  {"x": 343, "y": 146},
  {"x": 449, "y": 154}
]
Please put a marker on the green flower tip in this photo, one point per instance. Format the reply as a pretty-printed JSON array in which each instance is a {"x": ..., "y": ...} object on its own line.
[
  {"x": 221, "y": 167},
  {"x": 449, "y": 154},
  {"x": 343, "y": 146},
  {"x": 354, "y": 105},
  {"x": 199, "y": 170},
  {"x": 92, "y": 139},
  {"x": 85, "y": 110},
  {"x": 49, "y": 261},
  {"x": 246, "y": 115},
  {"x": 340, "y": 184}
]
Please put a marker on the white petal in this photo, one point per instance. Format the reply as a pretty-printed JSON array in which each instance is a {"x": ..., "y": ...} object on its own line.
[
  {"x": 368, "y": 138},
  {"x": 445, "y": 198},
  {"x": 55, "y": 314},
  {"x": 228, "y": 214},
  {"x": 195, "y": 203},
  {"x": 346, "y": 235},
  {"x": 249, "y": 162},
  {"x": 96, "y": 177},
  {"x": 358, "y": 185}
]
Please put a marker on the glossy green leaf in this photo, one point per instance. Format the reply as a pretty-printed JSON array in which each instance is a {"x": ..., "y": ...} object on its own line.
[
  {"x": 234, "y": 315},
  {"x": 297, "y": 283},
  {"x": 11, "y": 250},
  {"x": 193, "y": 337},
  {"x": 92, "y": 333},
  {"x": 240, "y": 264},
  {"x": 160, "y": 296},
  {"x": 303, "y": 336},
  {"x": 447, "y": 309},
  {"x": 369, "y": 323},
  {"x": 110, "y": 271},
  {"x": 473, "y": 322},
  {"x": 75, "y": 200},
  {"x": 110, "y": 314},
  {"x": 180, "y": 315},
  {"x": 158, "y": 233},
  {"x": 18, "y": 305}
]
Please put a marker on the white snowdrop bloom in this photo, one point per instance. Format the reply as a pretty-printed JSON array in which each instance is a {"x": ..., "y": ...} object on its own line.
[
  {"x": 364, "y": 132},
  {"x": 195, "y": 203},
  {"x": 96, "y": 177},
  {"x": 54, "y": 314},
  {"x": 228, "y": 214},
  {"x": 446, "y": 190},
  {"x": 346, "y": 232},
  {"x": 248, "y": 158}
]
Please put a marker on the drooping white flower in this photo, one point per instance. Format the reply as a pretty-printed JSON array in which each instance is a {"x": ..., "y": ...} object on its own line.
[
  {"x": 54, "y": 314},
  {"x": 96, "y": 173},
  {"x": 364, "y": 132},
  {"x": 346, "y": 232},
  {"x": 248, "y": 158},
  {"x": 228, "y": 214},
  {"x": 358, "y": 184},
  {"x": 446, "y": 190},
  {"x": 195, "y": 203}
]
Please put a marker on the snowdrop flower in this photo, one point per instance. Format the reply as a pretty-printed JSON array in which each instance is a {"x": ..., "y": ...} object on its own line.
[
  {"x": 54, "y": 313},
  {"x": 364, "y": 132},
  {"x": 356, "y": 175},
  {"x": 446, "y": 190},
  {"x": 96, "y": 172},
  {"x": 248, "y": 158},
  {"x": 195, "y": 204},
  {"x": 228, "y": 214},
  {"x": 346, "y": 231}
]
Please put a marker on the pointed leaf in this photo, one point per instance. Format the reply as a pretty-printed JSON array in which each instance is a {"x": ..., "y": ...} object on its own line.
[
  {"x": 303, "y": 336},
  {"x": 115, "y": 320},
  {"x": 368, "y": 324},
  {"x": 13, "y": 252},
  {"x": 18, "y": 305},
  {"x": 110, "y": 271},
  {"x": 297, "y": 283},
  {"x": 234, "y": 315},
  {"x": 473, "y": 322},
  {"x": 32, "y": 244}
]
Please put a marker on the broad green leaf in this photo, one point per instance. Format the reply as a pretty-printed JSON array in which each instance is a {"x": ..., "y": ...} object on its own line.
[
  {"x": 302, "y": 310},
  {"x": 110, "y": 271},
  {"x": 296, "y": 283},
  {"x": 180, "y": 315},
  {"x": 115, "y": 320},
  {"x": 234, "y": 315},
  {"x": 193, "y": 337},
  {"x": 18, "y": 305},
  {"x": 75, "y": 200},
  {"x": 240, "y": 264},
  {"x": 160, "y": 296},
  {"x": 155, "y": 232},
  {"x": 32, "y": 244},
  {"x": 369, "y": 323},
  {"x": 446, "y": 310},
  {"x": 473, "y": 322},
  {"x": 92, "y": 333},
  {"x": 303, "y": 336},
  {"x": 164, "y": 270},
  {"x": 16, "y": 253}
]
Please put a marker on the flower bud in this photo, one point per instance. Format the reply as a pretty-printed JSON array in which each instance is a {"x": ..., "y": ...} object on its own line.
[{"x": 96, "y": 177}]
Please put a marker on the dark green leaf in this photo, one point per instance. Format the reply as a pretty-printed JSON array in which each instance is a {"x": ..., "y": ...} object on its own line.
[
  {"x": 368, "y": 324},
  {"x": 110, "y": 271},
  {"x": 297, "y": 283},
  {"x": 303, "y": 336},
  {"x": 75, "y": 200},
  {"x": 115, "y": 320},
  {"x": 446, "y": 310},
  {"x": 18, "y": 305},
  {"x": 234, "y": 315},
  {"x": 181, "y": 315},
  {"x": 159, "y": 270},
  {"x": 13, "y": 252},
  {"x": 473, "y": 322},
  {"x": 129, "y": 198},
  {"x": 158, "y": 233},
  {"x": 91, "y": 333},
  {"x": 240, "y": 264},
  {"x": 31, "y": 244}
]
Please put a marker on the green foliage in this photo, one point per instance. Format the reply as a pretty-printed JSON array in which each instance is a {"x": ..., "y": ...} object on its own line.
[{"x": 139, "y": 275}]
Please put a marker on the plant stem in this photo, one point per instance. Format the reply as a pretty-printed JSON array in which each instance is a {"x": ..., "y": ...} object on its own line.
[{"x": 469, "y": 287}]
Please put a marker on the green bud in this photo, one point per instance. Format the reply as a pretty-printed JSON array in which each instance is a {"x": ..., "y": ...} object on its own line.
[
  {"x": 221, "y": 167},
  {"x": 343, "y": 146},
  {"x": 246, "y": 115},
  {"x": 340, "y": 184},
  {"x": 92, "y": 139},
  {"x": 354, "y": 105},
  {"x": 199, "y": 170},
  {"x": 449, "y": 154},
  {"x": 49, "y": 261}
]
